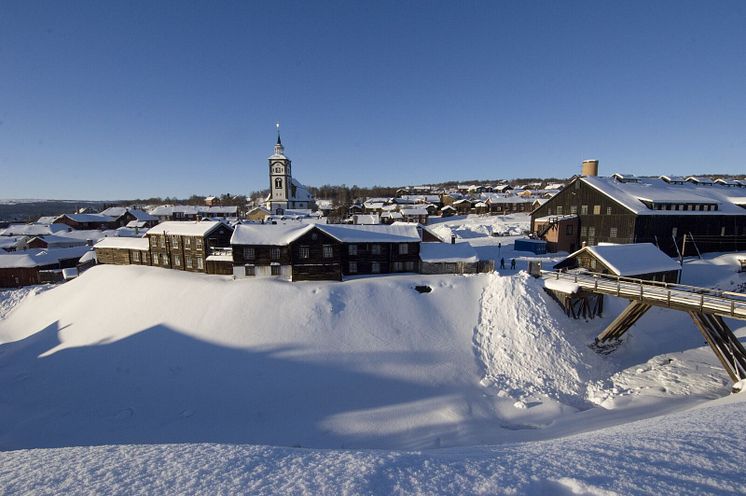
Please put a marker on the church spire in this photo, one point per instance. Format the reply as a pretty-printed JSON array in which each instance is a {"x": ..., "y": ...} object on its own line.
[{"x": 279, "y": 149}]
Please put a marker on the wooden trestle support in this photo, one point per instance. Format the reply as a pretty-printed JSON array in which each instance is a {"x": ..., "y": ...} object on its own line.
[{"x": 716, "y": 332}]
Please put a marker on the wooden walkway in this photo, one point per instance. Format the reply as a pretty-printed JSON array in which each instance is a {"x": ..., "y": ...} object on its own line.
[{"x": 705, "y": 306}]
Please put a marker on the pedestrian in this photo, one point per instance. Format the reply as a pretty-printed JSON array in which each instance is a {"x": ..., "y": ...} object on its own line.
[
  {"x": 502, "y": 263},
  {"x": 512, "y": 264}
]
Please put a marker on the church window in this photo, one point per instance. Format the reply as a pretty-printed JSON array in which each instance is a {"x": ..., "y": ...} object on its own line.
[{"x": 278, "y": 183}]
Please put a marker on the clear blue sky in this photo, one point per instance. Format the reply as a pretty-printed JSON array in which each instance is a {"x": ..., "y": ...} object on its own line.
[{"x": 121, "y": 99}]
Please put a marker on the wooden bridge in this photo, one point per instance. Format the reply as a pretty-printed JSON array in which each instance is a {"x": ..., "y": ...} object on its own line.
[{"x": 706, "y": 307}]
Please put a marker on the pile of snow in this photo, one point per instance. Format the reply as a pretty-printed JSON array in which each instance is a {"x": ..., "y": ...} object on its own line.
[{"x": 526, "y": 346}]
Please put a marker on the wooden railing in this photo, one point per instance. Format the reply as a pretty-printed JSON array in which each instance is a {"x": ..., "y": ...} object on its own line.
[{"x": 705, "y": 300}]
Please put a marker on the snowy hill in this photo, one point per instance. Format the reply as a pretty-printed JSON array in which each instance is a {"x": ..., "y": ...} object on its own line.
[{"x": 133, "y": 355}]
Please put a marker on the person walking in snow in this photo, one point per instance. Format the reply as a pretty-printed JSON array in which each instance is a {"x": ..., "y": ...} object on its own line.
[
  {"x": 512, "y": 264},
  {"x": 502, "y": 263}
]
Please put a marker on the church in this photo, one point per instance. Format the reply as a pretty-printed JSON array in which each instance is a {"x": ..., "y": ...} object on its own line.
[{"x": 285, "y": 193}]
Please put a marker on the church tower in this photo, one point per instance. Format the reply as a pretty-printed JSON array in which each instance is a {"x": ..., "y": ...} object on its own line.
[{"x": 280, "y": 180}]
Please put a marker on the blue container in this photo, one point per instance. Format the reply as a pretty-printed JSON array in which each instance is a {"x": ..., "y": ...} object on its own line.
[{"x": 535, "y": 246}]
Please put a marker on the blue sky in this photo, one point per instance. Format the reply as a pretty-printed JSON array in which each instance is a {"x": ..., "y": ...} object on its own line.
[{"x": 123, "y": 99}]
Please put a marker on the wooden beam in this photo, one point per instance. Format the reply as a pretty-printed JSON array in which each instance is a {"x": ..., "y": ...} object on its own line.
[
  {"x": 726, "y": 346},
  {"x": 623, "y": 322}
]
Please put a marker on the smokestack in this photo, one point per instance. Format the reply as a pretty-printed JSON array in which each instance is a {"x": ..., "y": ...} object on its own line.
[{"x": 589, "y": 168}]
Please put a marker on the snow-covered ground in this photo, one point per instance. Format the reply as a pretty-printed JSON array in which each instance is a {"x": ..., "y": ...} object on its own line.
[{"x": 139, "y": 379}]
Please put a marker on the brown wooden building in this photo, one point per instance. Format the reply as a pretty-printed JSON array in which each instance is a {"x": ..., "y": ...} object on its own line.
[
  {"x": 186, "y": 245},
  {"x": 123, "y": 251},
  {"x": 624, "y": 209},
  {"x": 636, "y": 260},
  {"x": 87, "y": 221}
]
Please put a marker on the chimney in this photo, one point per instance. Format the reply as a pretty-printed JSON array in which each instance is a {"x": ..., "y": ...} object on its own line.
[
  {"x": 589, "y": 168},
  {"x": 453, "y": 239}
]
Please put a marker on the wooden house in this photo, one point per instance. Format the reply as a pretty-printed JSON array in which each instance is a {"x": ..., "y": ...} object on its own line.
[
  {"x": 560, "y": 232},
  {"x": 677, "y": 217},
  {"x": 186, "y": 245},
  {"x": 124, "y": 215},
  {"x": 38, "y": 266},
  {"x": 636, "y": 260},
  {"x": 87, "y": 221},
  {"x": 123, "y": 251},
  {"x": 447, "y": 258},
  {"x": 326, "y": 251}
]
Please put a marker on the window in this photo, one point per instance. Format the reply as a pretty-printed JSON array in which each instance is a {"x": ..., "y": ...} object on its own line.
[
  {"x": 375, "y": 249},
  {"x": 328, "y": 251},
  {"x": 200, "y": 263},
  {"x": 175, "y": 241},
  {"x": 409, "y": 266},
  {"x": 674, "y": 231},
  {"x": 608, "y": 210},
  {"x": 584, "y": 210},
  {"x": 136, "y": 256},
  {"x": 249, "y": 270},
  {"x": 155, "y": 259},
  {"x": 188, "y": 261},
  {"x": 375, "y": 267},
  {"x": 274, "y": 269},
  {"x": 352, "y": 267},
  {"x": 274, "y": 253},
  {"x": 187, "y": 241},
  {"x": 584, "y": 231},
  {"x": 612, "y": 232},
  {"x": 722, "y": 231},
  {"x": 593, "y": 263},
  {"x": 352, "y": 249},
  {"x": 165, "y": 259},
  {"x": 403, "y": 248},
  {"x": 198, "y": 243},
  {"x": 397, "y": 267},
  {"x": 596, "y": 209},
  {"x": 163, "y": 241},
  {"x": 573, "y": 209},
  {"x": 249, "y": 253},
  {"x": 591, "y": 231},
  {"x": 278, "y": 183},
  {"x": 568, "y": 229},
  {"x": 304, "y": 251},
  {"x": 177, "y": 260},
  {"x": 560, "y": 209}
]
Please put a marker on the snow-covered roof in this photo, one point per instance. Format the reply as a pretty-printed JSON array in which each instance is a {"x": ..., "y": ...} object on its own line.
[
  {"x": 447, "y": 252},
  {"x": 124, "y": 243},
  {"x": 416, "y": 211},
  {"x": 186, "y": 228},
  {"x": 35, "y": 258},
  {"x": 33, "y": 229},
  {"x": 103, "y": 219},
  {"x": 47, "y": 219},
  {"x": 632, "y": 194},
  {"x": 269, "y": 234},
  {"x": 301, "y": 193},
  {"x": 52, "y": 239},
  {"x": 394, "y": 233},
  {"x": 632, "y": 259},
  {"x": 17, "y": 261}
]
